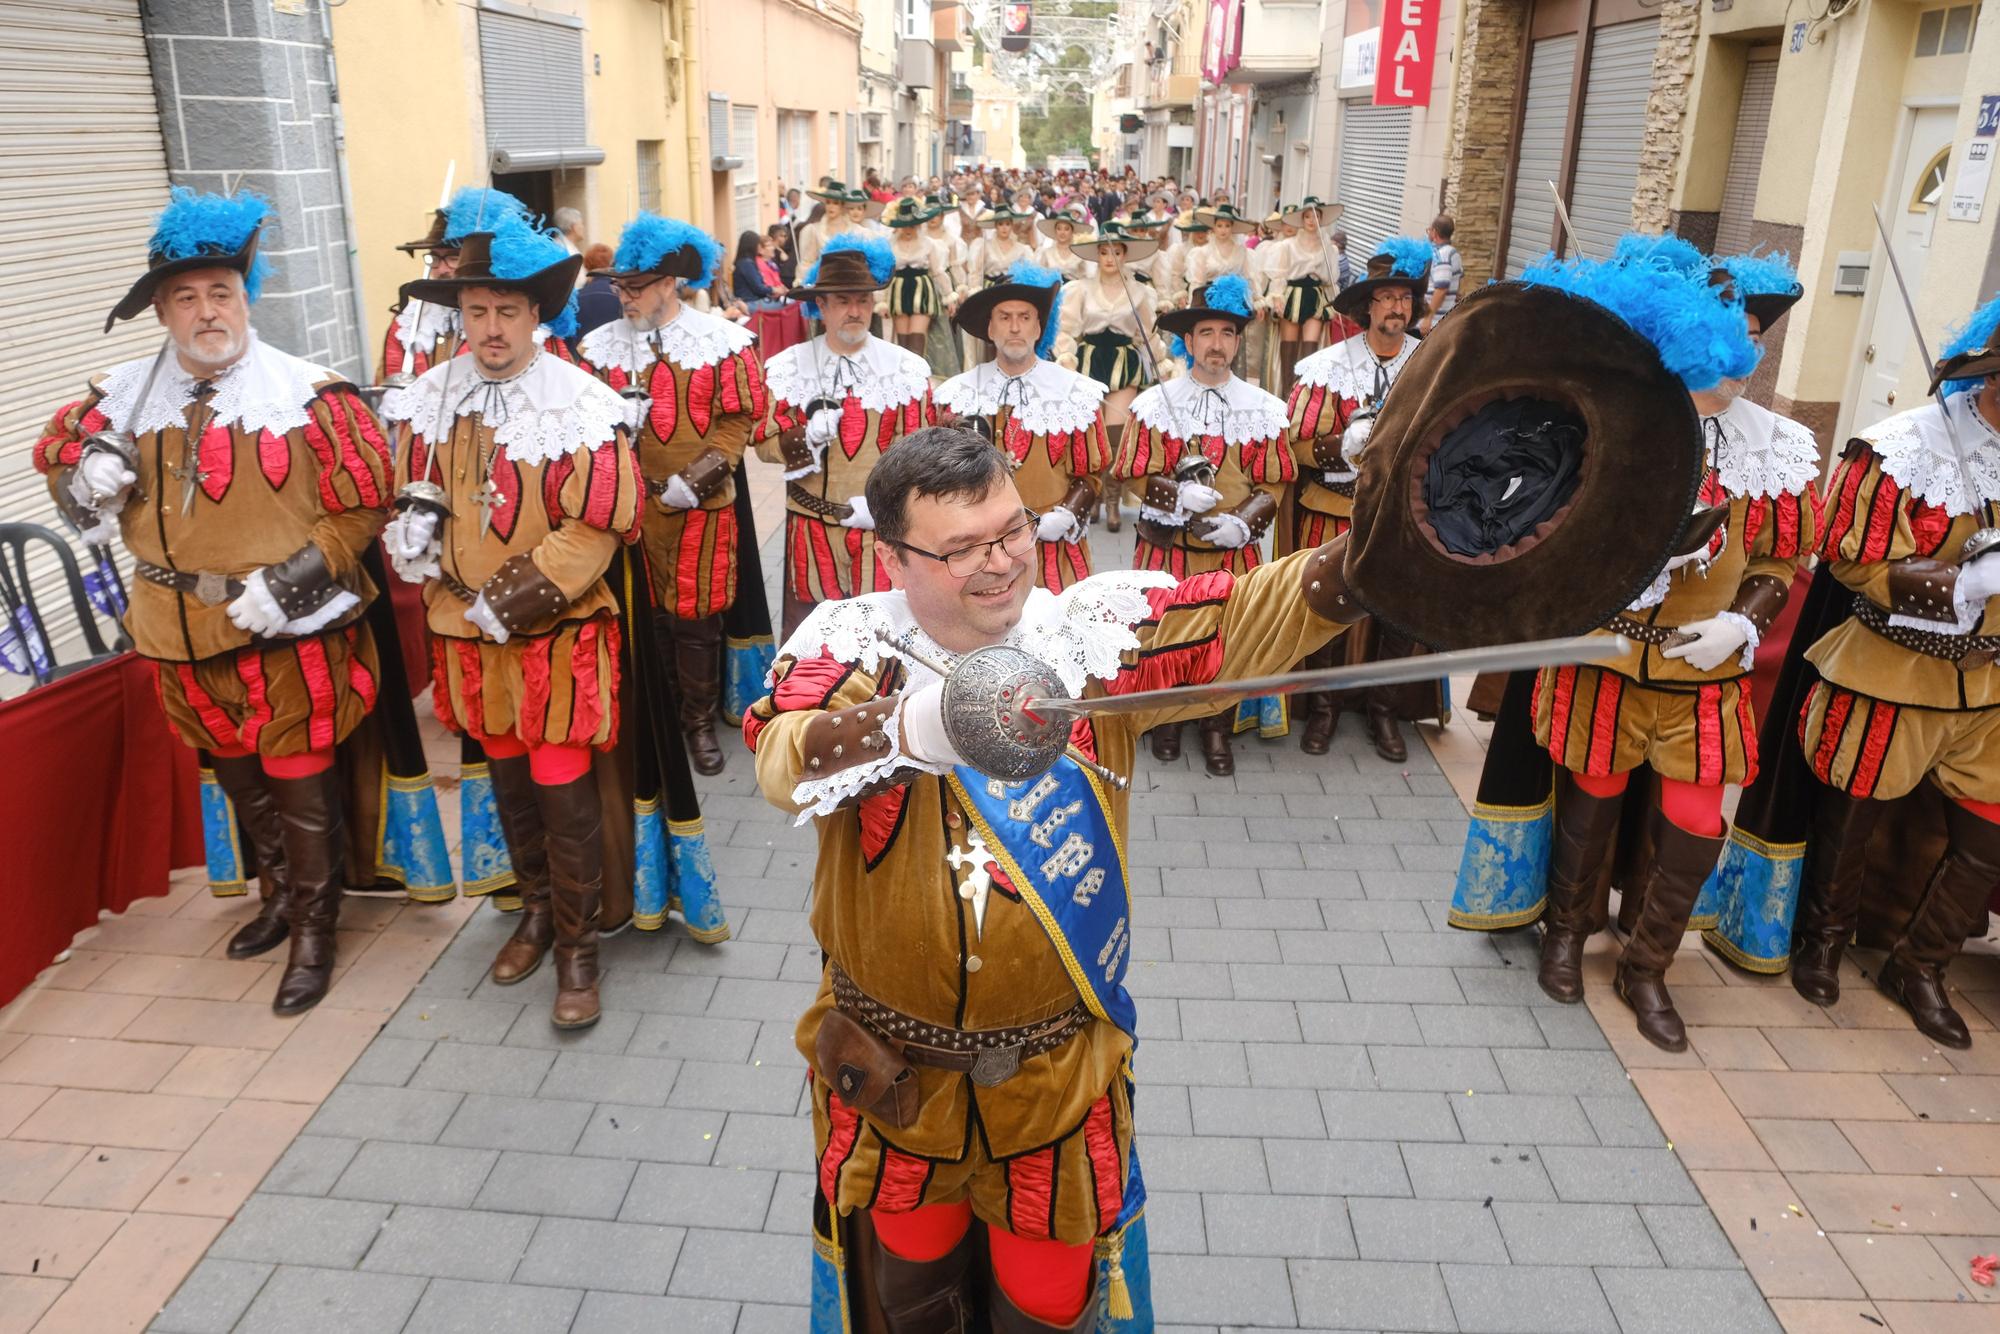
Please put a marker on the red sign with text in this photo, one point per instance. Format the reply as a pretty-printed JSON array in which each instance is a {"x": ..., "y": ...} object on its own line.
[{"x": 1407, "y": 53}]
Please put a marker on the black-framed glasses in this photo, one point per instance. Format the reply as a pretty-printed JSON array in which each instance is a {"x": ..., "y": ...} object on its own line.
[
  {"x": 970, "y": 560},
  {"x": 634, "y": 286}
]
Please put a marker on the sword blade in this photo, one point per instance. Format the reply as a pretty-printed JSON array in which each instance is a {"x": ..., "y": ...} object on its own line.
[{"x": 1425, "y": 667}]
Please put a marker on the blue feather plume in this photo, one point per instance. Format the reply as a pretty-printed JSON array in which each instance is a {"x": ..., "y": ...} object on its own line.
[
  {"x": 1976, "y": 333},
  {"x": 1769, "y": 274},
  {"x": 1230, "y": 292},
  {"x": 1177, "y": 349},
  {"x": 881, "y": 262},
  {"x": 1667, "y": 253},
  {"x": 1412, "y": 254},
  {"x": 649, "y": 238},
  {"x": 521, "y": 251},
  {"x": 1034, "y": 275},
  {"x": 1699, "y": 337},
  {"x": 194, "y": 224},
  {"x": 477, "y": 209}
]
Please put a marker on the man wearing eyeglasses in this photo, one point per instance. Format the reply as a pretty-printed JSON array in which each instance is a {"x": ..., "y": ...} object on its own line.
[
  {"x": 971, "y": 1036},
  {"x": 695, "y": 389}
]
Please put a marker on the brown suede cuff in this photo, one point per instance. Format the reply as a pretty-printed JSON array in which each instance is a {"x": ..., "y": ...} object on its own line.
[
  {"x": 301, "y": 582},
  {"x": 520, "y": 595},
  {"x": 1163, "y": 493},
  {"x": 1325, "y": 584},
  {"x": 792, "y": 447},
  {"x": 1326, "y": 453},
  {"x": 1759, "y": 600},
  {"x": 843, "y": 738},
  {"x": 708, "y": 473},
  {"x": 1923, "y": 588},
  {"x": 1258, "y": 511},
  {"x": 1082, "y": 498}
]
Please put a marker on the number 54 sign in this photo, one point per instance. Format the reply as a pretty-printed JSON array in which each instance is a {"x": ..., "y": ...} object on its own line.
[{"x": 1408, "y": 52}]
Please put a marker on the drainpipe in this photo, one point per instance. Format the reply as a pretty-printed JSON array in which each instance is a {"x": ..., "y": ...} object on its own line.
[
  {"x": 693, "y": 99},
  {"x": 363, "y": 343}
]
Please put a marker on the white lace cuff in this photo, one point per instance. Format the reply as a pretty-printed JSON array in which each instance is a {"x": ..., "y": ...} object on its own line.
[
  {"x": 1171, "y": 518},
  {"x": 337, "y": 606},
  {"x": 1751, "y": 637},
  {"x": 1969, "y": 614},
  {"x": 824, "y": 796}
]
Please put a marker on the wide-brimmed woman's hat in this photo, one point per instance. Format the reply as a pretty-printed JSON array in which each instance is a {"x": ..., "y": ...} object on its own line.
[
  {"x": 1401, "y": 261},
  {"x": 1136, "y": 247},
  {"x": 833, "y": 192},
  {"x": 1327, "y": 212},
  {"x": 198, "y": 231},
  {"x": 1079, "y": 223},
  {"x": 1219, "y": 213},
  {"x": 906, "y": 213},
  {"x": 514, "y": 257}
]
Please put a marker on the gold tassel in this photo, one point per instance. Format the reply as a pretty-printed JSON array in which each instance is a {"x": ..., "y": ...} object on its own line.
[{"x": 1118, "y": 1296}]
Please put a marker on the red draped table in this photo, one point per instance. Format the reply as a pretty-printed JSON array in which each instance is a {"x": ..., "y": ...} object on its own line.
[{"x": 100, "y": 802}]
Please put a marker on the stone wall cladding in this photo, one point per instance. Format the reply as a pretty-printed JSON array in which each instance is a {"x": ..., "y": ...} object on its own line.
[
  {"x": 1666, "y": 115},
  {"x": 247, "y": 103},
  {"x": 1482, "y": 132}
]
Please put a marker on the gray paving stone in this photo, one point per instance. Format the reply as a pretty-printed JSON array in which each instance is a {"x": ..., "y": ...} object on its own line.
[
  {"x": 1293, "y": 1065},
  {"x": 1503, "y": 986},
  {"x": 792, "y": 1203},
  {"x": 659, "y": 993},
  {"x": 1447, "y": 1069},
  {"x": 452, "y": 1306},
  {"x": 630, "y": 1313},
  {"x": 1287, "y": 981},
  {"x": 1238, "y": 1289},
  {"x": 601, "y": 1256},
  {"x": 1577, "y": 1072},
  {"x": 1182, "y": 1062},
  {"x": 1388, "y": 831},
  {"x": 1391, "y": 1229},
  {"x": 1360, "y": 1022},
  {"x": 734, "y": 958},
  {"x": 331, "y": 1301},
  {"x": 1349, "y": 858},
  {"x": 213, "y": 1297},
  {"x": 658, "y": 1134},
  {"x": 1239, "y": 1021},
  {"x": 784, "y": 1143},
  {"x": 463, "y": 1067},
  {"x": 1371, "y": 1294},
  {"x": 1619, "y": 1176},
  {"x": 441, "y": 1019},
  {"x": 1387, "y": 982},
  {"x": 1278, "y": 1225},
  {"x": 1522, "y": 1118},
  {"x": 1667, "y": 1301},
  {"x": 1338, "y": 945},
  {"x": 1196, "y": 912},
  {"x": 391, "y": 1173},
  {"x": 743, "y": 1266},
  {"x": 1174, "y": 1223},
  {"x": 1155, "y": 977},
  {"x": 1152, "y": 943},
  {"x": 1335, "y": 1168},
  {"x": 1371, "y": 1114},
  {"x": 1474, "y": 1171},
  {"x": 1218, "y": 945},
  {"x": 450, "y": 1243},
  {"x": 1256, "y": 855},
  {"x": 642, "y": 1081},
  {"x": 387, "y": 1061},
  {"x": 611, "y": 1033},
  {"x": 787, "y": 928},
  {"x": 1623, "y": 1121},
  {"x": 1360, "y": 914},
  {"x": 1688, "y": 1236},
  {"x": 556, "y": 1184},
  {"x": 691, "y": 1196},
  {"x": 1278, "y": 914},
  {"x": 1479, "y": 1026},
  {"x": 1575, "y": 1234},
  {"x": 1267, "y": 1112},
  {"x": 1425, "y": 857},
  {"x": 1159, "y": 1020},
  {"x": 1570, "y": 1027},
  {"x": 1197, "y": 880},
  {"x": 1333, "y": 886},
  {"x": 488, "y": 1121},
  {"x": 1175, "y": 1162},
  {"x": 1518, "y": 1299},
  {"x": 735, "y": 1088},
  {"x": 365, "y": 1111},
  {"x": 736, "y": 998},
  {"x": 1166, "y": 1110},
  {"x": 293, "y": 1229},
  {"x": 310, "y": 1166}
]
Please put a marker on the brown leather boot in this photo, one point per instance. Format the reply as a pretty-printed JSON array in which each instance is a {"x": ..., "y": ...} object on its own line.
[
  {"x": 1681, "y": 865},
  {"x": 1007, "y": 1318},
  {"x": 1215, "y": 751},
  {"x": 1384, "y": 732},
  {"x": 698, "y": 664},
  {"x": 242, "y": 777},
  {"x": 1110, "y": 489},
  {"x": 1830, "y": 897},
  {"x": 1166, "y": 739},
  {"x": 912, "y": 341},
  {"x": 1954, "y": 901},
  {"x": 926, "y": 1296},
  {"x": 1290, "y": 351},
  {"x": 1322, "y": 720},
  {"x": 1584, "y": 826},
  {"x": 316, "y": 855},
  {"x": 521, "y": 819},
  {"x": 573, "y": 816}
]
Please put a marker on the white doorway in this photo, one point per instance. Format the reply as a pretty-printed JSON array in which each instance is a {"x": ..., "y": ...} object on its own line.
[{"x": 1911, "y": 215}]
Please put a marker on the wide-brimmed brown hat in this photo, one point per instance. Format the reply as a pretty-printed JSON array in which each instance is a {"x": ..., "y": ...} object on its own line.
[
  {"x": 975, "y": 313},
  {"x": 1523, "y": 485},
  {"x": 549, "y": 288},
  {"x": 1352, "y": 300},
  {"x": 843, "y": 270},
  {"x": 432, "y": 239},
  {"x": 159, "y": 269},
  {"x": 1975, "y": 364},
  {"x": 1184, "y": 320}
]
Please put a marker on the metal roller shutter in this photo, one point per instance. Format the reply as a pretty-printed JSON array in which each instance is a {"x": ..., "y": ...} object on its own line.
[
  {"x": 531, "y": 77},
  {"x": 82, "y": 172},
  {"x": 1746, "y": 156},
  {"x": 1532, "y": 218},
  {"x": 1611, "y": 133},
  {"x": 1374, "y": 145}
]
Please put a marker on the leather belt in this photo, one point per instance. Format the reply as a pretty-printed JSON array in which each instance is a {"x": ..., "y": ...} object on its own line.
[
  {"x": 838, "y": 511},
  {"x": 1160, "y": 534},
  {"x": 1640, "y": 631},
  {"x": 211, "y": 590},
  {"x": 463, "y": 592},
  {"x": 990, "y": 1055},
  {"x": 1966, "y": 652},
  {"x": 1345, "y": 488}
]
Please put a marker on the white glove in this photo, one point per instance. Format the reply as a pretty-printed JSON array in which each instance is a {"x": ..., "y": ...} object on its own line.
[
  {"x": 1227, "y": 530},
  {"x": 408, "y": 536},
  {"x": 860, "y": 518},
  {"x": 257, "y": 611},
  {"x": 1715, "y": 639},
  {"x": 823, "y": 426},
  {"x": 921, "y": 726},
  {"x": 105, "y": 479},
  {"x": 1979, "y": 580},
  {"x": 678, "y": 495},
  {"x": 1058, "y": 525},
  {"x": 482, "y": 616},
  {"x": 1199, "y": 497}
]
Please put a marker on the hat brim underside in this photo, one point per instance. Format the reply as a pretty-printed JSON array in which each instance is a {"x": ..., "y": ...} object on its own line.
[
  {"x": 1975, "y": 365},
  {"x": 140, "y": 295},
  {"x": 548, "y": 288},
  {"x": 1770, "y": 307}
]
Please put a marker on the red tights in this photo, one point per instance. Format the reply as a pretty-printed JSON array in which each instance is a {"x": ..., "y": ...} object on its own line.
[
  {"x": 548, "y": 764},
  {"x": 281, "y": 766},
  {"x": 1048, "y": 1280},
  {"x": 1695, "y": 807}
]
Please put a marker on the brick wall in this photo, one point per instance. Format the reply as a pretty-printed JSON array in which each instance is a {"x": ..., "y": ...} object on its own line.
[{"x": 1482, "y": 131}]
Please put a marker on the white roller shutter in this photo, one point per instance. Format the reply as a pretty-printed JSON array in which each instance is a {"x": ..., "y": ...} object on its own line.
[
  {"x": 743, "y": 180},
  {"x": 1539, "y": 159},
  {"x": 531, "y": 81},
  {"x": 82, "y": 172},
  {"x": 1374, "y": 145},
  {"x": 1746, "y": 156},
  {"x": 1611, "y": 133}
]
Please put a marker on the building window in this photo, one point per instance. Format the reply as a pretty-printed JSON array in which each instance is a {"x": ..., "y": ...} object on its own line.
[
  {"x": 1930, "y": 185},
  {"x": 743, "y": 180},
  {"x": 795, "y": 149},
  {"x": 649, "y": 175},
  {"x": 1947, "y": 32}
]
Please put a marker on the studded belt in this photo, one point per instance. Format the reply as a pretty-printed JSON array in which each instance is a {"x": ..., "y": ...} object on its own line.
[
  {"x": 1966, "y": 652},
  {"x": 1345, "y": 488},
  {"x": 1640, "y": 631},
  {"x": 838, "y": 511},
  {"x": 990, "y": 1055},
  {"x": 211, "y": 590}
]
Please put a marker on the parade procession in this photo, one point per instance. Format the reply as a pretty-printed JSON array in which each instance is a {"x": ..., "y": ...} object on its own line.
[{"x": 602, "y": 601}]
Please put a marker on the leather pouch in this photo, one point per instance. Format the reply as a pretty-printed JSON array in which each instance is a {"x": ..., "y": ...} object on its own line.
[{"x": 866, "y": 1071}]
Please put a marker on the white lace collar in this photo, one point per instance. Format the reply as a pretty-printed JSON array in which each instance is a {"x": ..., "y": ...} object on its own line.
[
  {"x": 1349, "y": 368},
  {"x": 419, "y": 325},
  {"x": 1239, "y": 411},
  {"x": 1080, "y": 632},
  {"x": 550, "y": 410},
  {"x": 1916, "y": 450},
  {"x": 1763, "y": 454},
  {"x": 263, "y": 390},
  {"x": 1048, "y": 400},
  {"x": 694, "y": 339},
  {"x": 881, "y": 375}
]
